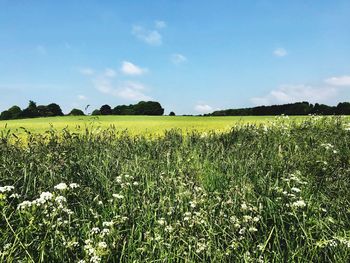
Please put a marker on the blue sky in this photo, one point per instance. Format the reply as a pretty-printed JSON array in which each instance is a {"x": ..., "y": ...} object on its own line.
[{"x": 192, "y": 56}]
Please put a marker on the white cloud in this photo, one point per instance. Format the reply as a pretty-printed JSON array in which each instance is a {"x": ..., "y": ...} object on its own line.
[
  {"x": 86, "y": 71},
  {"x": 203, "y": 108},
  {"x": 151, "y": 37},
  {"x": 339, "y": 81},
  {"x": 296, "y": 93},
  {"x": 178, "y": 59},
  {"x": 280, "y": 52},
  {"x": 41, "y": 49},
  {"x": 134, "y": 91},
  {"x": 82, "y": 97},
  {"x": 159, "y": 24},
  {"x": 128, "y": 90},
  {"x": 129, "y": 68},
  {"x": 110, "y": 73}
]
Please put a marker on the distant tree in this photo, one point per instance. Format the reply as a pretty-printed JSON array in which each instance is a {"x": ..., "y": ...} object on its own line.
[
  {"x": 31, "y": 111},
  {"x": 106, "y": 110},
  {"x": 343, "y": 108},
  {"x": 172, "y": 113},
  {"x": 43, "y": 111},
  {"x": 76, "y": 112},
  {"x": 5, "y": 115},
  {"x": 54, "y": 110},
  {"x": 96, "y": 112},
  {"x": 148, "y": 108},
  {"x": 15, "y": 112}
]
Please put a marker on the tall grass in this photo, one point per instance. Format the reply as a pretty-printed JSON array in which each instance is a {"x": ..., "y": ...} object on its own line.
[{"x": 270, "y": 193}]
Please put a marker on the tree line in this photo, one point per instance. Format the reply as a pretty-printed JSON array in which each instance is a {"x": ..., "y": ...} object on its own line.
[
  {"x": 33, "y": 110},
  {"x": 298, "y": 108}
]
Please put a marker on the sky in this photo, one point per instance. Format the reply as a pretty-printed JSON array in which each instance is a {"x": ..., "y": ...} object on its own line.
[{"x": 193, "y": 56}]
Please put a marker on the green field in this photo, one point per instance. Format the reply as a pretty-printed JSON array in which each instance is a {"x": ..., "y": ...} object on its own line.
[
  {"x": 134, "y": 124},
  {"x": 257, "y": 193}
]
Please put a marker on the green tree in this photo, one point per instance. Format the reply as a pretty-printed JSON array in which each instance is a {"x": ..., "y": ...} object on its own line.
[
  {"x": 105, "y": 110},
  {"x": 76, "y": 112},
  {"x": 96, "y": 112}
]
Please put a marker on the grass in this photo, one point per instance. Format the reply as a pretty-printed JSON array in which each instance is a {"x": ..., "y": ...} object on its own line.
[
  {"x": 151, "y": 125},
  {"x": 257, "y": 193}
]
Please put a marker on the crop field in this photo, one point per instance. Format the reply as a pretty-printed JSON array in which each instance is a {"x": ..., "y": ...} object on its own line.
[
  {"x": 276, "y": 191},
  {"x": 136, "y": 125}
]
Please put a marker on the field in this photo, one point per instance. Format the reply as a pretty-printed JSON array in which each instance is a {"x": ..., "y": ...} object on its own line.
[
  {"x": 146, "y": 125},
  {"x": 276, "y": 191}
]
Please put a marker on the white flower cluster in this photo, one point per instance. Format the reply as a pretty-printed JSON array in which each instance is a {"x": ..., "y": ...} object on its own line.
[{"x": 6, "y": 188}]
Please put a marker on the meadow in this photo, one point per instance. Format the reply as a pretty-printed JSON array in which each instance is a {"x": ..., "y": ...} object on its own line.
[
  {"x": 136, "y": 125},
  {"x": 275, "y": 190}
]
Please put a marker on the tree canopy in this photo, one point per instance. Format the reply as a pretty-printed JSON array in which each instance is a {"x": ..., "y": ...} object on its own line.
[{"x": 298, "y": 108}]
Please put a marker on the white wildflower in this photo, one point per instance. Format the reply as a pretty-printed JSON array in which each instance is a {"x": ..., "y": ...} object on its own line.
[
  {"x": 105, "y": 231},
  {"x": 244, "y": 206},
  {"x": 297, "y": 190},
  {"x": 102, "y": 245},
  {"x": 161, "y": 222},
  {"x": 24, "y": 205},
  {"x": 252, "y": 229},
  {"x": 169, "y": 229},
  {"x": 299, "y": 203},
  {"x": 6, "y": 188},
  {"x": 73, "y": 185},
  {"x": 118, "y": 196},
  {"x": 95, "y": 230},
  {"x": 61, "y": 186},
  {"x": 95, "y": 259},
  {"x": 107, "y": 224},
  {"x": 14, "y": 196}
]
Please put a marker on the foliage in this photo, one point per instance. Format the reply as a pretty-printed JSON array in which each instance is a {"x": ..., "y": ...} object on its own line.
[
  {"x": 32, "y": 111},
  {"x": 76, "y": 112},
  {"x": 276, "y": 192},
  {"x": 96, "y": 112},
  {"x": 106, "y": 110},
  {"x": 172, "y": 113},
  {"x": 141, "y": 108},
  {"x": 299, "y": 108}
]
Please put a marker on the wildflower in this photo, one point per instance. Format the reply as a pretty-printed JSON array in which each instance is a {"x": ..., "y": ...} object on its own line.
[
  {"x": 118, "y": 196},
  {"x": 297, "y": 190},
  {"x": 95, "y": 230},
  {"x": 107, "y": 224},
  {"x": 161, "y": 221},
  {"x": 105, "y": 231},
  {"x": 73, "y": 185},
  {"x": 247, "y": 218},
  {"x": 193, "y": 204},
  {"x": 169, "y": 229},
  {"x": 252, "y": 229},
  {"x": 244, "y": 206},
  {"x": 6, "y": 188},
  {"x": 102, "y": 245},
  {"x": 14, "y": 196},
  {"x": 299, "y": 203},
  {"x": 60, "y": 199},
  {"x": 44, "y": 197},
  {"x": 61, "y": 186},
  {"x": 7, "y": 246},
  {"x": 24, "y": 205},
  {"x": 242, "y": 231},
  {"x": 188, "y": 214},
  {"x": 95, "y": 259},
  {"x": 135, "y": 183}
]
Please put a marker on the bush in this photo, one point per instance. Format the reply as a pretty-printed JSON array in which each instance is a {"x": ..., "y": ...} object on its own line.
[{"x": 76, "y": 112}]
